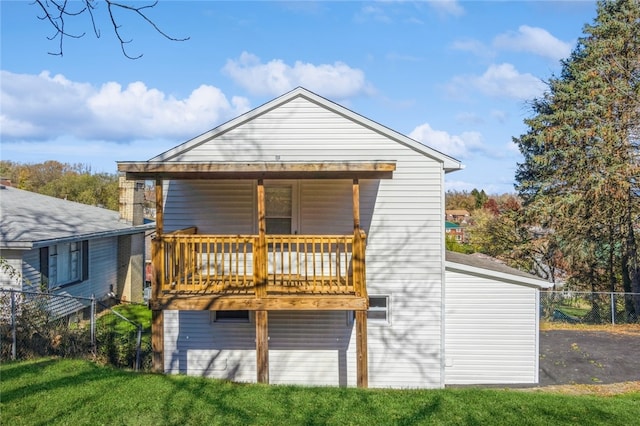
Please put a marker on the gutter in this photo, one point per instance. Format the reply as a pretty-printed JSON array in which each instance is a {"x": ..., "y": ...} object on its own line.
[{"x": 28, "y": 245}]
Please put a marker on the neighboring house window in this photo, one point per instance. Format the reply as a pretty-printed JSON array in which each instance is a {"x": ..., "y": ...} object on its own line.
[
  {"x": 64, "y": 263},
  {"x": 230, "y": 316},
  {"x": 378, "y": 309}
]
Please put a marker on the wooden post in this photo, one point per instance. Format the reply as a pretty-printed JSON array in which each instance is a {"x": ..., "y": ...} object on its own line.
[
  {"x": 159, "y": 206},
  {"x": 362, "y": 357},
  {"x": 358, "y": 244},
  {"x": 158, "y": 268},
  {"x": 157, "y": 340},
  {"x": 262, "y": 346},
  {"x": 356, "y": 206},
  {"x": 362, "y": 361},
  {"x": 260, "y": 278},
  {"x": 260, "y": 269}
]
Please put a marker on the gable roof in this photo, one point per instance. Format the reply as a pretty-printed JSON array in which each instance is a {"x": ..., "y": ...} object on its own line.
[
  {"x": 31, "y": 220},
  {"x": 449, "y": 163},
  {"x": 487, "y": 267}
]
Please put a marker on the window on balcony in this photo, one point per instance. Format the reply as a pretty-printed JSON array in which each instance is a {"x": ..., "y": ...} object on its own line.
[{"x": 280, "y": 208}]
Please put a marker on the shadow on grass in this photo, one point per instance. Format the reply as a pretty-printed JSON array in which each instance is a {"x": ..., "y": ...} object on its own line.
[{"x": 53, "y": 391}]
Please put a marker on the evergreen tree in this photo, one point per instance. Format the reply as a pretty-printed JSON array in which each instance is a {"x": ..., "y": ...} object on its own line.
[{"x": 580, "y": 175}]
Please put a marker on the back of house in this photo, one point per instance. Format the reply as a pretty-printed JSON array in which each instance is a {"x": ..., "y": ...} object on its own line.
[{"x": 308, "y": 169}]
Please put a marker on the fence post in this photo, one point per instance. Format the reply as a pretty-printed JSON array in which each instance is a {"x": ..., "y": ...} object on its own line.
[
  {"x": 93, "y": 322},
  {"x": 138, "y": 344},
  {"x": 613, "y": 308},
  {"x": 14, "y": 343}
]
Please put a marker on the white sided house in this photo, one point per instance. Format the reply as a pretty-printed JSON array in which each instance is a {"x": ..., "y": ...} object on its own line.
[
  {"x": 72, "y": 249},
  {"x": 300, "y": 243}
]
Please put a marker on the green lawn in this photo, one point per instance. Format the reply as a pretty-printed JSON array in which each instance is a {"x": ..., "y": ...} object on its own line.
[
  {"x": 74, "y": 392},
  {"x": 574, "y": 311}
]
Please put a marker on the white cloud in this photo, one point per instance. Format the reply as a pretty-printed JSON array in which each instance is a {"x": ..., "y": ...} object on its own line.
[
  {"x": 370, "y": 12},
  {"x": 337, "y": 81},
  {"x": 475, "y": 47},
  {"x": 457, "y": 146},
  {"x": 45, "y": 107},
  {"x": 449, "y": 7},
  {"x": 499, "y": 115},
  {"x": 534, "y": 40},
  {"x": 513, "y": 148},
  {"x": 500, "y": 81}
]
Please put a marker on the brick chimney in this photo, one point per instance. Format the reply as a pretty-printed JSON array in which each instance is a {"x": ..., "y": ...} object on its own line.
[{"x": 131, "y": 201}]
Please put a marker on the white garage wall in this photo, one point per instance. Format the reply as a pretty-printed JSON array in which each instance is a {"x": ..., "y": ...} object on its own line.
[{"x": 491, "y": 331}]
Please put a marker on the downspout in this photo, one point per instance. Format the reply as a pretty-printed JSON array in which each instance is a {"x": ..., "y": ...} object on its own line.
[{"x": 536, "y": 371}]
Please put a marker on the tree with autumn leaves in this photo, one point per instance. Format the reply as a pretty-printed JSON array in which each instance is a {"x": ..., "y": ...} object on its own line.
[{"x": 73, "y": 182}]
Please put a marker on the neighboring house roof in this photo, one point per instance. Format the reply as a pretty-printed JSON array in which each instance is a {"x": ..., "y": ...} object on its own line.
[
  {"x": 29, "y": 220},
  {"x": 449, "y": 163},
  {"x": 488, "y": 267}
]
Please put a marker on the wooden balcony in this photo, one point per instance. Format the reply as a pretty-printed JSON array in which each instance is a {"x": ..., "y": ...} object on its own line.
[{"x": 246, "y": 272}]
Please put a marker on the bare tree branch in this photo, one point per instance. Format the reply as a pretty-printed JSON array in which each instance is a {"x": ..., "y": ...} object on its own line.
[{"x": 57, "y": 12}]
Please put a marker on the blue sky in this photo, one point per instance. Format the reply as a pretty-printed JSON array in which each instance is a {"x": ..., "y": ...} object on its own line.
[{"x": 454, "y": 75}]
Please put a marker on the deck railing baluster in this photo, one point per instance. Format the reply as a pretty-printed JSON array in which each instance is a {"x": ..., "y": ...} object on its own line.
[{"x": 322, "y": 264}]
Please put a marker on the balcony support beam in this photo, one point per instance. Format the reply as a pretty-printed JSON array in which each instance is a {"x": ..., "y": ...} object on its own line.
[
  {"x": 362, "y": 356},
  {"x": 158, "y": 273},
  {"x": 262, "y": 346}
]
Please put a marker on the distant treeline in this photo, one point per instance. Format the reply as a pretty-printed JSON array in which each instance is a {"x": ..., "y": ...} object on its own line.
[{"x": 73, "y": 182}]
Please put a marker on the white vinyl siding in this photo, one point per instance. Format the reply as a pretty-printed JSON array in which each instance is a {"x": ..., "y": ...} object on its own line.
[
  {"x": 311, "y": 347},
  {"x": 491, "y": 331},
  {"x": 13, "y": 276},
  {"x": 102, "y": 275},
  {"x": 215, "y": 207},
  {"x": 403, "y": 218}
]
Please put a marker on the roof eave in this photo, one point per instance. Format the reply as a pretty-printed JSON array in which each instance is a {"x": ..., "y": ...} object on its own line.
[
  {"x": 501, "y": 276},
  {"x": 377, "y": 169}
]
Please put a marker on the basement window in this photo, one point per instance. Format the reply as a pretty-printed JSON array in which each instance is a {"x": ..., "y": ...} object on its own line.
[
  {"x": 378, "y": 309},
  {"x": 230, "y": 316}
]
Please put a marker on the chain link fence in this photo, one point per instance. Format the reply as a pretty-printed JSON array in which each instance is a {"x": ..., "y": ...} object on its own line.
[
  {"x": 583, "y": 307},
  {"x": 34, "y": 324}
]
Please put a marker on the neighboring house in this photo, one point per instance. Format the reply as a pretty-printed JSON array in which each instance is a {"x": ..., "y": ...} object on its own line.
[
  {"x": 70, "y": 248},
  {"x": 456, "y": 231},
  {"x": 458, "y": 216},
  {"x": 300, "y": 243}
]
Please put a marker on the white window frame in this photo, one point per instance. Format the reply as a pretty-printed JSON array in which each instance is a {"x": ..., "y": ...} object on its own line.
[
  {"x": 295, "y": 188},
  {"x": 65, "y": 259},
  {"x": 373, "y": 310}
]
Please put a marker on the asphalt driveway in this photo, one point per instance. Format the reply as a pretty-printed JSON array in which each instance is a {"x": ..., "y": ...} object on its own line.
[{"x": 588, "y": 357}]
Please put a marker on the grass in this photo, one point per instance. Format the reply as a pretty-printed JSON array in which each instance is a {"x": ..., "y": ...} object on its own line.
[
  {"x": 573, "y": 311},
  {"x": 139, "y": 314},
  {"x": 51, "y": 391}
]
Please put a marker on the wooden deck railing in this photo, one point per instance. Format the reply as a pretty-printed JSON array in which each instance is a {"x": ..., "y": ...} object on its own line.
[{"x": 236, "y": 264}]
